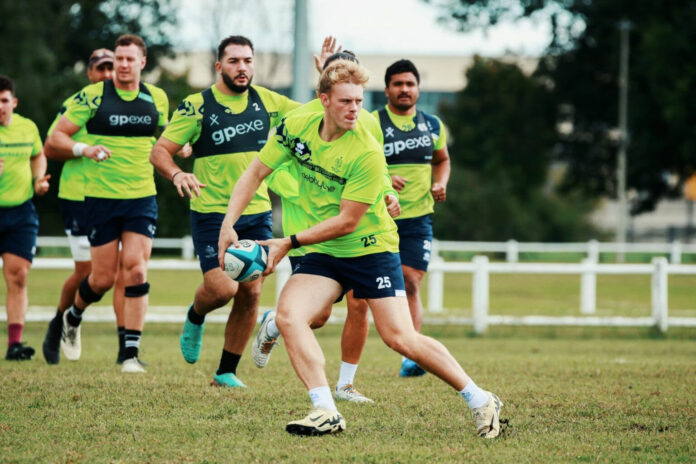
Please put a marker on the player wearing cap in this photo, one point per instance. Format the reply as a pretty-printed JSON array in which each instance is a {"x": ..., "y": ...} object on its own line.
[
  {"x": 415, "y": 145},
  {"x": 349, "y": 246},
  {"x": 226, "y": 124},
  {"x": 121, "y": 117},
  {"x": 22, "y": 174},
  {"x": 71, "y": 197}
]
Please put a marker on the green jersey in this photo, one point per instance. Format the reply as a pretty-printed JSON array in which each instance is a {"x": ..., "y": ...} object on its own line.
[
  {"x": 350, "y": 168},
  {"x": 19, "y": 142},
  {"x": 232, "y": 126},
  {"x": 72, "y": 176},
  {"x": 409, "y": 142},
  {"x": 284, "y": 180},
  {"x": 125, "y": 122}
]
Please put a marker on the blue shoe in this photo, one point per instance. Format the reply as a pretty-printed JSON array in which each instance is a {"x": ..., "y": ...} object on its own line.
[
  {"x": 227, "y": 379},
  {"x": 410, "y": 369},
  {"x": 191, "y": 340}
]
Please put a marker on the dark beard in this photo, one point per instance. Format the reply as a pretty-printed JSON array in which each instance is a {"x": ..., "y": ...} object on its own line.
[
  {"x": 402, "y": 107},
  {"x": 234, "y": 87}
]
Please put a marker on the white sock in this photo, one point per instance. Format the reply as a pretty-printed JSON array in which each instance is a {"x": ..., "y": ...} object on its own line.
[
  {"x": 272, "y": 329},
  {"x": 346, "y": 374},
  {"x": 321, "y": 398},
  {"x": 474, "y": 396}
]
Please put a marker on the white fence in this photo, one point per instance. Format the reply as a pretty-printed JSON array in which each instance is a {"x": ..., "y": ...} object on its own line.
[
  {"x": 480, "y": 268},
  {"x": 511, "y": 248}
]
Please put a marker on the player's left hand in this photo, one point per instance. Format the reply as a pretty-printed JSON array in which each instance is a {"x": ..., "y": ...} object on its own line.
[
  {"x": 439, "y": 192},
  {"x": 393, "y": 206},
  {"x": 277, "y": 249},
  {"x": 328, "y": 48},
  {"x": 41, "y": 184}
]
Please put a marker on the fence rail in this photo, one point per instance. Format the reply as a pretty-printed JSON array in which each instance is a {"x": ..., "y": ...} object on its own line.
[{"x": 480, "y": 268}]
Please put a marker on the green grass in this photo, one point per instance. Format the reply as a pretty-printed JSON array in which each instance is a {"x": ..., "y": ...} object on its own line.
[{"x": 571, "y": 395}]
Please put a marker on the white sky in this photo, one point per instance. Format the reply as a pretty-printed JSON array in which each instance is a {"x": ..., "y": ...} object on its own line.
[{"x": 408, "y": 27}]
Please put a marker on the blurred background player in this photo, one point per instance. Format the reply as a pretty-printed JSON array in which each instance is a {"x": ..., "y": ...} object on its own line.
[
  {"x": 22, "y": 174},
  {"x": 225, "y": 138},
  {"x": 71, "y": 195},
  {"x": 415, "y": 145},
  {"x": 121, "y": 117}
]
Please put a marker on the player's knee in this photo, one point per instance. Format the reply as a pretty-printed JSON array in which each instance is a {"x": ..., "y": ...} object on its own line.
[
  {"x": 90, "y": 294},
  {"x": 136, "y": 291},
  {"x": 357, "y": 308},
  {"x": 399, "y": 342},
  {"x": 250, "y": 293},
  {"x": 136, "y": 273},
  {"x": 16, "y": 277}
]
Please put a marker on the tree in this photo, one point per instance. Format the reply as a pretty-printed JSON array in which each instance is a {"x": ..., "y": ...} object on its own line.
[
  {"x": 503, "y": 129},
  {"x": 47, "y": 45},
  {"x": 582, "y": 63}
]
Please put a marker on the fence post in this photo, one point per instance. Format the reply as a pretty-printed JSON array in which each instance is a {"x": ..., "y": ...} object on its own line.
[
  {"x": 512, "y": 251},
  {"x": 282, "y": 273},
  {"x": 675, "y": 250},
  {"x": 593, "y": 250},
  {"x": 436, "y": 284},
  {"x": 479, "y": 294},
  {"x": 659, "y": 293},
  {"x": 588, "y": 287},
  {"x": 187, "y": 251}
]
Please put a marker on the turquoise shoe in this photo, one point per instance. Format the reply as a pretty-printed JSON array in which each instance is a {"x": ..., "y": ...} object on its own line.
[
  {"x": 410, "y": 369},
  {"x": 227, "y": 379},
  {"x": 191, "y": 340}
]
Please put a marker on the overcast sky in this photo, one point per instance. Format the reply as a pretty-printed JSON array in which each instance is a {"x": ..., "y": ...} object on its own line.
[{"x": 364, "y": 26}]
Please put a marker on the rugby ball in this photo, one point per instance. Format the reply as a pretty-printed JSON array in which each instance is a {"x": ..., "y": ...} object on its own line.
[{"x": 245, "y": 263}]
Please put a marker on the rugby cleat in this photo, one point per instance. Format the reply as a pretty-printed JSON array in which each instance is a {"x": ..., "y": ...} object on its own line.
[
  {"x": 70, "y": 340},
  {"x": 410, "y": 369},
  {"x": 51, "y": 343},
  {"x": 318, "y": 422},
  {"x": 133, "y": 366},
  {"x": 350, "y": 393},
  {"x": 264, "y": 343},
  {"x": 191, "y": 340},
  {"x": 19, "y": 352},
  {"x": 487, "y": 417},
  {"x": 228, "y": 380}
]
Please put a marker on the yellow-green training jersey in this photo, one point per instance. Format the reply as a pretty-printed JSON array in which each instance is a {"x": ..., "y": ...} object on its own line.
[
  {"x": 19, "y": 142},
  {"x": 409, "y": 142},
  {"x": 124, "y": 121},
  {"x": 226, "y": 133},
  {"x": 349, "y": 168}
]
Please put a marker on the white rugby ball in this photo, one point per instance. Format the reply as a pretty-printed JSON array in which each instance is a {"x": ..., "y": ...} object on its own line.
[{"x": 245, "y": 263}]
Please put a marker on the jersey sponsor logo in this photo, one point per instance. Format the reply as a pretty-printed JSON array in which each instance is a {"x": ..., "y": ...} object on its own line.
[
  {"x": 123, "y": 119},
  {"x": 394, "y": 148},
  {"x": 389, "y": 132},
  {"x": 319, "y": 183},
  {"x": 221, "y": 136}
]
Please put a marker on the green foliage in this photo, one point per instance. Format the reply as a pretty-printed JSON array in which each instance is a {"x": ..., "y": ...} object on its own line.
[
  {"x": 582, "y": 63},
  {"x": 503, "y": 131}
]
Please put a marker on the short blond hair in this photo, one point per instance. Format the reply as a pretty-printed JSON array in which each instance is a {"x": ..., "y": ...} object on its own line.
[{"x": 342, "y": 71}]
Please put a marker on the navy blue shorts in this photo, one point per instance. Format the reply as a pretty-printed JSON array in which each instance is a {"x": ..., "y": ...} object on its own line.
[
  {"x": 19, "y": 227},
  {"x": 205, "y": 230},
  {"x": 371, "y": 276},
  {"x": 108, "y": 218},
  {"x": 74, "y": 220},
  {"x": 415, "y": 241}
]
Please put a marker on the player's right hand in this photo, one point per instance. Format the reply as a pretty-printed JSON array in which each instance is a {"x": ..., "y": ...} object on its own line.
[
  {"x": 97, "y": 152},
  {"x": 398, "y": 183},
  {"x": 277, "y": 249},
  {"x": 228, "y": 236},
  {"x": 189, "y": 183},
  {"x": 328, "y": 48}
]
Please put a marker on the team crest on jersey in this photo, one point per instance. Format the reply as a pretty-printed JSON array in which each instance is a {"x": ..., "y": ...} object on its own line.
[
  {"x": 422, "y": 126},
  {"x": 338, "y": 162}
]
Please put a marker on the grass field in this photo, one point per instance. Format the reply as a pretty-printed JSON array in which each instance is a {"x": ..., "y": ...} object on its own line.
[{"x": 571, "y": 395}]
